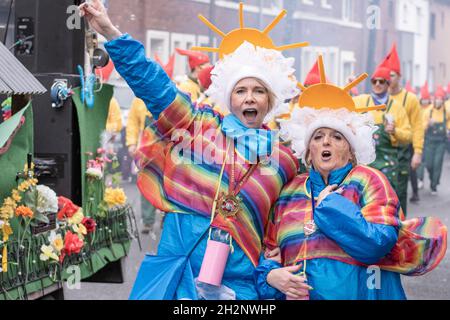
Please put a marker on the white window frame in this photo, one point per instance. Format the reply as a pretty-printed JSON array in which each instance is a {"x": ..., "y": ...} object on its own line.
[
  {"x": 346, "y": 57},
  {"x": 345, "y": 8},
  {"x": 331, "y": 67},
  {"x": 159, "y": 35},
  {"x": 181, "y": 68}
]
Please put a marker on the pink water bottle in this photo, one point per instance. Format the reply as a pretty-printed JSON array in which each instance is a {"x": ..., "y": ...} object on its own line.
[{"x": 215, "y": 258}]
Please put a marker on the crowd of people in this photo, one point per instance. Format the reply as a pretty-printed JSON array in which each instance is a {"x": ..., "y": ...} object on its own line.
[{"x": 251, "y": 214}]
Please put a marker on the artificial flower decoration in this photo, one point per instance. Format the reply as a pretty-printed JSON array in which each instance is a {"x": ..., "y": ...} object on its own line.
[
  {"x": 56, "y": 241},
  {"x": 94, "y": 172},
  {"x": 80, "y": 229},
  {"x": 90, "y": 224},
  {"x": 115, "y": 197},
  {"x": 47, "y": 201},
  {"x": 24, "y": 211},
  {"x": 48, "y": 252},
  {"x": 66, "y": 208},
  {"x": 72, "y": 243},
  {"x": 76, "y": 218}
]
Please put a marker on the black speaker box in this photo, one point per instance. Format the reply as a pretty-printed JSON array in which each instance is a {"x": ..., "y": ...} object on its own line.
[
  {"x": 57, "y": 141},
  {"x": 51, "y": 42}
]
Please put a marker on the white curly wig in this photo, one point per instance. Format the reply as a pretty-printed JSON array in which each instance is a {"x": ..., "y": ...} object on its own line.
[
  {"x": 267, "y": 65},
  {"x": 357, "y": 128}
]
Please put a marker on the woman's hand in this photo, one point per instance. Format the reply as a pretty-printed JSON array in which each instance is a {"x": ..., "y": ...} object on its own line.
[
  {"x": 274, "y": 254},
  {"x": 293, "y": 286},
  {"x": 98, "y": 19},
  {"x": 328, "y": 190}
]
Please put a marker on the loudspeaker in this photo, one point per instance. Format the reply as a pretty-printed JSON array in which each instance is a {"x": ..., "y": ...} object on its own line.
[
  {"x": 57, "y": 141},
  {"x": 51, "y": 40}
]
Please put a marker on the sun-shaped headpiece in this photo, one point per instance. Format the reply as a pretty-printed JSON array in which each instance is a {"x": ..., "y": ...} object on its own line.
[
  {"x": 233, "y": 40},
  {"x": 326, "y": 95}
]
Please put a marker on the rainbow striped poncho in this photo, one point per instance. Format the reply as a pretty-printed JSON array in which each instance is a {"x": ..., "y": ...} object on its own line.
[
  {"x": 421, "y": 243},
  {"x": 180, "y": 158}
]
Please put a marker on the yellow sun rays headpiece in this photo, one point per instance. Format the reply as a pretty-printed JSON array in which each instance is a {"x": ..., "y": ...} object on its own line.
[
  {"x": 236, "y": 37},
  {"x": 325, "y": 95}
]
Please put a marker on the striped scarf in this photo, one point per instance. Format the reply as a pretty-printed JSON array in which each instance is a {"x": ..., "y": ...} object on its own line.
[
  {"x": 421, "y": 243},
  {"x": 179, "y": 172}
]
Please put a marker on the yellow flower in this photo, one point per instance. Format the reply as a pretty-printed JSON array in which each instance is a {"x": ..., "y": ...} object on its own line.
[
  {"x": 16, "y": 196},
  {"x": 80, "y": 229},
  {"x": 56, "y": 241},
  {"x": 9, "y": 202},
  {"x": 7, "y": 212},
  {"x": 24, "y": 186},
  {"x": 7, "y": 230},
  {"x": 48, "y": 253},
  {"x": 115, "y": 197},
  {"x": 77, "y": 217}
]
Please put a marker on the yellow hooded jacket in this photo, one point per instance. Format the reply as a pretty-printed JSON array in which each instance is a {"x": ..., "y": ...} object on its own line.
[
  {"x": 136, "y": 121},
  {"x": 413, "y": 109},
  {"x": 192, "y": 88},
  {"x": 437, "y": 115},
  {"x": 114, "y": 120},
  {"x": 403, "y": 132}
]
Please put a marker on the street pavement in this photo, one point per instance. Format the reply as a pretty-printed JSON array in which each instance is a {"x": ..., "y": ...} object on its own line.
[{"x": 434, "y": 285}]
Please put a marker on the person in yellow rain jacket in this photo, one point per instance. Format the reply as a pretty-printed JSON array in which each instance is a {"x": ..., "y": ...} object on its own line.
[
  {"x": 197, "y": 61},
  {"x": 417, "y": 175},
  {"x": 114, "y": 120},
  {"x": 138, "y": 116},
  {"x": 393, "y": 124},
  {"x": 410, "y": 155},
  {"x": 437, "y": 124},
  {"x": 136, "y": 123}
]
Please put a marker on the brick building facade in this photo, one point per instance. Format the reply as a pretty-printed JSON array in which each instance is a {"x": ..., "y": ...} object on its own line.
[{"x": 353, "y": 35}]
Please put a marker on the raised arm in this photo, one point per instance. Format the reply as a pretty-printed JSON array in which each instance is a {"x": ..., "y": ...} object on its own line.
[{"x": 145, "y": 77}]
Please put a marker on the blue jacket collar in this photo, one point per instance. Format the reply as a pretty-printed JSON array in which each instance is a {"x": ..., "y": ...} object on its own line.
[
  {"x": 335, "y": 177},
  {"x": 251, "y": 143}
]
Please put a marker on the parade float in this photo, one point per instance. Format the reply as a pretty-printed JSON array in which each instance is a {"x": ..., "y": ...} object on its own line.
[{"x": 48, "y": 238}]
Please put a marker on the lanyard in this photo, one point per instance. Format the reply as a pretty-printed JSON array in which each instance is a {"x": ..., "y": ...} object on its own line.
[{"x": 234, "y": 189}]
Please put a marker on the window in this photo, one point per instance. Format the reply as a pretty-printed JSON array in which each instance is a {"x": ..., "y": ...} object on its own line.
[
  {"x": 275, "y": 4},
  {"x": 308, "y": 2},
  {"x": 157, "y": 42},
  {"x": 419, "y": 21},
  {"x": 183, "y": 41},
  {"x": 348, "y": 9},
  {"x": 326, "y": 5},
  {"x": 330, "y": 57},
  {"x": 433, "y": 26},
  {"x": 405, "y": 13},
  {"x": 442, "y": 70},
  {"x": 347, "y": 66},
  {"x": 431, "y": 78},
  {"x": 391, "y": 9}
]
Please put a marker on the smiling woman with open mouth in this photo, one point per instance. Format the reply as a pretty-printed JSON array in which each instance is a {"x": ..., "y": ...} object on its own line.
[
  {"x": 334, "y": 225},
  {"x": 231, "y": 197}
]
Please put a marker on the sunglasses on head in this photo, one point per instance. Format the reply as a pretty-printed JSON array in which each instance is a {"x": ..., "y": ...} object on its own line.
[{"x": 380, "y": 81}]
